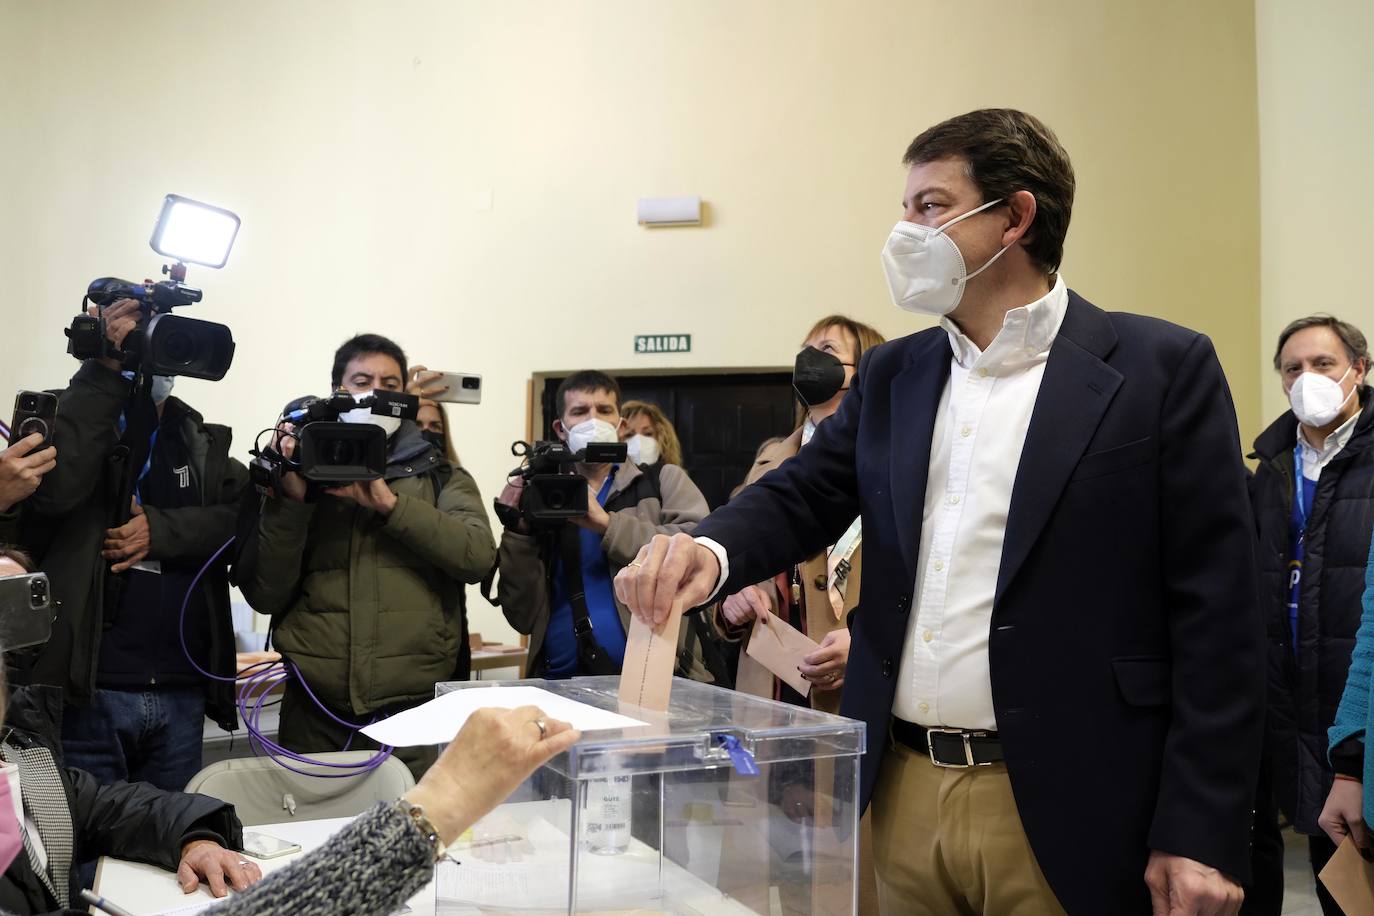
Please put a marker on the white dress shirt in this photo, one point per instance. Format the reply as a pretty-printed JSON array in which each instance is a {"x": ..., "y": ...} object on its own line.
[
  {"x": 975, "y": 450},
  {"x": 980, "y": 428},
  {"x": 1315, "y": 459}
]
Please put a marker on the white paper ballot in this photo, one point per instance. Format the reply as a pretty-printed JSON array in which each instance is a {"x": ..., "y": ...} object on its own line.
[{"x": 437, "y": 721}]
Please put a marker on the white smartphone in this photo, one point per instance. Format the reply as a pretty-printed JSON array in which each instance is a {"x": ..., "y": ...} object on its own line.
[
  {"x": 265, "y": 846},
  {"x": 463, "y": 388}
]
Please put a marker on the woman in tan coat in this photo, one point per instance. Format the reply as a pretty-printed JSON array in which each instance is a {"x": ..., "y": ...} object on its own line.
[{"x": 817, "y": 595}]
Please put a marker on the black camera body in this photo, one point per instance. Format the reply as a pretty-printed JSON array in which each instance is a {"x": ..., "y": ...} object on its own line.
[
  {"x": 329, "y": 452},
  {"x": 554, "y": 492},
  {"x": 163, "y": 343}
]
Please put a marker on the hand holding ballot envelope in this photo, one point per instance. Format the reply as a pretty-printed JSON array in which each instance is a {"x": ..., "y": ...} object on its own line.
[{"x": 667, "y": 572}]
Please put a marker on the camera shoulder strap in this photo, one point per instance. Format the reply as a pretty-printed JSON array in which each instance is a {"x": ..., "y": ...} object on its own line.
[{"x": 591, "y": 658}]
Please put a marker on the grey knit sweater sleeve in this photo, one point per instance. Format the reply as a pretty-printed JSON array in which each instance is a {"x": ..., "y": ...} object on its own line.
[{"x": 370, "y": 868}]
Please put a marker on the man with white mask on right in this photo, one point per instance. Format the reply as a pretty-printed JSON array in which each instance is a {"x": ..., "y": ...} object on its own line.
[
  {"x": 1059, "y": 654},
  {"x": 1313, "y": 497},
  {"x": 555, "y": 581}
]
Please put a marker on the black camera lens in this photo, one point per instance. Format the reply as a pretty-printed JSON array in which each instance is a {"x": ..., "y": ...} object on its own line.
[
  {"x": 556, "y": 499},
  {"x": 341, "y": 451},
  {"x": 177, "y": 348},
  {"x": 471, "y": 383},
  {"x": 38, "y": 592},
  {"x": 29, "y": 402}
]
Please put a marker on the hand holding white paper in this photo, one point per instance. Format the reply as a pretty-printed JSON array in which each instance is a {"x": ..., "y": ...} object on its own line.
[{"x": 439, "y": 720}]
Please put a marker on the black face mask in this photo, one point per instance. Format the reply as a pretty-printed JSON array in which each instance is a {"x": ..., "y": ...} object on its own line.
[
  {"x": 817, "y": 376},
  {"x": 433, "y": 437}
]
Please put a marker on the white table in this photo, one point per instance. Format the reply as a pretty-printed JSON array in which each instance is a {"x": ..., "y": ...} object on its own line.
[{"x": 146, "y": 889}]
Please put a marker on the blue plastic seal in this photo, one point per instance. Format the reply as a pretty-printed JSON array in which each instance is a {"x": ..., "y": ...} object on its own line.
[{"x": 742, "y": 759}]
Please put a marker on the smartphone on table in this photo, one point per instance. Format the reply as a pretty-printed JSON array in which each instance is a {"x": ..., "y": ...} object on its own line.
[{"x": 265, "y": 846}]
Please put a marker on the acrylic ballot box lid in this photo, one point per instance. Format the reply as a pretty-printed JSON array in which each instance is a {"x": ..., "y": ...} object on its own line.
[{"x": 701, "y": 728}]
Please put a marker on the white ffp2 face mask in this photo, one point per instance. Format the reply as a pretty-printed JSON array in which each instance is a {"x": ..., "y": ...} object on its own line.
[
  {"x": 589, "y": 431},
  {"x": 642, "y": 449},
  {"x": 925, "y": 270},
  {"x": 1317, "y": 399},
  {"x": 162, "y": 388},
  {"x": 389, "y": 425}
]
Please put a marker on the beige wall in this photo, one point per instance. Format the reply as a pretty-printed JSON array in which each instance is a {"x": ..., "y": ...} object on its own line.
[
  {"x": 358, "y": 141},
  {"x": 1316, "y": 91}
]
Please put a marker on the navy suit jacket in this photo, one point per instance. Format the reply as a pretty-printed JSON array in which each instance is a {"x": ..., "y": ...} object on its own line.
[{"x": 1126, "y": 646}]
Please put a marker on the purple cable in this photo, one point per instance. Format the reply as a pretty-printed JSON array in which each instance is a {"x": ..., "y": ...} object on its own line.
[
  {"x": 267, "y": 679},
  {"x": 264, "y": 682}
]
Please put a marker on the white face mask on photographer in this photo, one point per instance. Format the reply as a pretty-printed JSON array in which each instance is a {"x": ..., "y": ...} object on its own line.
[
  {"x": 925, "y": 269},
  {"x": 589, "y": 431},
  {"x": 642, "y": 449},
  {"x": 162, "y": 388},
  {"x": 389, "y": 425},
  {"x": 1318, "y": 399}
]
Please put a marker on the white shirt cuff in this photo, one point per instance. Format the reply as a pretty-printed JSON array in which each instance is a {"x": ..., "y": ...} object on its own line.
[{"x": 724, "y": 562}]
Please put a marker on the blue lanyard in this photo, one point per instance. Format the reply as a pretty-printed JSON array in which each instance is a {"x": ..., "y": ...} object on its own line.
[{"x": 1299, "y": 490}]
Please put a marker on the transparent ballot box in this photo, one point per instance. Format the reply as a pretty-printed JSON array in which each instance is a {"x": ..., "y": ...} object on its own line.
[{"x": 726, "y": 803}]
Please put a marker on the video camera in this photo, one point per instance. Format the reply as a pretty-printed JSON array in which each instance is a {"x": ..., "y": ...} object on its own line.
[
  {"x": 554, "y": 492},
  {"x": 330, "y": 452},
  {"x": 163, "y": 343}
]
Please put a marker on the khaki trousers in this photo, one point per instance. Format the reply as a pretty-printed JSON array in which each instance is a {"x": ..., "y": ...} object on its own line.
[{"x": 948, "y": 841}]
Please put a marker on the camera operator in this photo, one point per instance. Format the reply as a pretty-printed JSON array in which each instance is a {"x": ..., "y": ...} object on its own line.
[
  {"x": 626, "y": 506},
  {"x": 137, "y": 704},
  {"x": 365, "y": 585}
]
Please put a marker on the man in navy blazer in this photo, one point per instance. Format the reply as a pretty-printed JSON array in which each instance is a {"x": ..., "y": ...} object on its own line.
[{"x": 1057, "y": 651}]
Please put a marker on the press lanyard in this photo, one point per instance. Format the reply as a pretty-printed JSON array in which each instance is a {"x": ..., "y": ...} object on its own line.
[{"x": 1300, "y": 488}]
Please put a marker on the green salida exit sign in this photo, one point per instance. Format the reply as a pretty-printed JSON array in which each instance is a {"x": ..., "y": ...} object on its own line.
[{"x": 663, "y": 343}]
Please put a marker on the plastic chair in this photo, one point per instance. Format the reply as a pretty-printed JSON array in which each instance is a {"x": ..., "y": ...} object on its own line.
[{"x": 263, "y": 792}]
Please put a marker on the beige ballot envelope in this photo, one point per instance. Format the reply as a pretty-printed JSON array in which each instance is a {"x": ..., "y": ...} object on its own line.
[
  {"x": 646, "y": 678},
  {"x": 1350, "y": 879},
  {"x": 780, "y": 647}
]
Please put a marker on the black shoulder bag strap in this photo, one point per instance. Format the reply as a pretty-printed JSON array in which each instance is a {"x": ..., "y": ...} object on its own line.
[{"x": 591, "y": 658}]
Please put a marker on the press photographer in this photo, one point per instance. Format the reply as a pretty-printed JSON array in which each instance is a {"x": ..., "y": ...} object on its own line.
[
  {"x": 144, "y": 497},
  {"x": 136, "y": 706},
  {"x": 364, "y": 579},
  {"x": 569, "y": 527}
]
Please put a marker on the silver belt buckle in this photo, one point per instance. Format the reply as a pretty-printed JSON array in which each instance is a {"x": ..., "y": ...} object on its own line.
[{"x": 968, "y": 747}]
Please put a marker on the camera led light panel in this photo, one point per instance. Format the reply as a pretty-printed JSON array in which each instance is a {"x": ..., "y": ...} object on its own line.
[{"x": 193, "y": 232}]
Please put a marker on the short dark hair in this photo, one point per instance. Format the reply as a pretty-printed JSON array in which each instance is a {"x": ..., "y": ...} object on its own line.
[
  {"x": 586, "y": 380},
  {"x": 1356, "y": 347},
  {"x": 354, "y": 347},
  {"x": 1006, "y": 151},
  {"x": 11, "y": 552}
]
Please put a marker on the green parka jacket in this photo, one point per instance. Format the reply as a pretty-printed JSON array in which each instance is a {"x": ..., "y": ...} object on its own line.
[{"x": 369, "y": 607}]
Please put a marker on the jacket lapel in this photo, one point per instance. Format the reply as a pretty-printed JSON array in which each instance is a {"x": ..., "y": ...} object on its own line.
[
  {"x": 45, "y": 801},
  {"x": 1074, "y": 394},
  {"x": 916, "y": 392}
]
